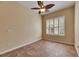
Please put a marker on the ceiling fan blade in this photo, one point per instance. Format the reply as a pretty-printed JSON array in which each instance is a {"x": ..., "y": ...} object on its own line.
[
  {"x": 40, "y": 3},
  {"x": 36, "y": 8},
  {"x": 49, "y": 6}
]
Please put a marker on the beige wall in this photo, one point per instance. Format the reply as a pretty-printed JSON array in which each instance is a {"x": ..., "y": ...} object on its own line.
[
  {"x": 77, "y": 26},
  {"x": 77, "y": 23},
  {"x": 69, "y": 26},
  {"x": 18, "y": 26}
]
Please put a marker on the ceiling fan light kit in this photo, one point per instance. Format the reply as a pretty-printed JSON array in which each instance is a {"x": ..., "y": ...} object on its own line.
[{"x": 42, "y": 8}]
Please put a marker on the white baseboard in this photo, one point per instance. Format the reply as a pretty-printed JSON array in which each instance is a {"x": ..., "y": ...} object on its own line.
[{"x": 14, "y": 48}]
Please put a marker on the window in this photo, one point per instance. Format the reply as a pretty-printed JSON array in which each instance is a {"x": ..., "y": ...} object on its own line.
[{"x": 55, "y": 26}]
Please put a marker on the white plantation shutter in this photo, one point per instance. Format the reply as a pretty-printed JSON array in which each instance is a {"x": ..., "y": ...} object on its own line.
[{"x": 55, "y": 26}]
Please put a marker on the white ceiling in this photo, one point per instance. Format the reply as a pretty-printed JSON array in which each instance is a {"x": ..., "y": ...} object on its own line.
[{"x": 58, "y": 5}]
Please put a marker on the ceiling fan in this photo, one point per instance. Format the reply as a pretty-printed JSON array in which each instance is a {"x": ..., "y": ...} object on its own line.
[{"x": 42, "y": 8}]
